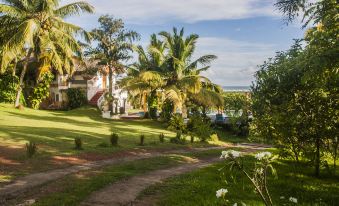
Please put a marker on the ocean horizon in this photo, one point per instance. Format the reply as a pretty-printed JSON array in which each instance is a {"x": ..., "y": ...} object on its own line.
[{"x": 236, "y": 88}]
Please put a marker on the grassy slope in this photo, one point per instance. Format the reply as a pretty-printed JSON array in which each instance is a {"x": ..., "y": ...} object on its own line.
[
  {"x": 198, "y": 188},
  {"x": 55, "y": 130}
]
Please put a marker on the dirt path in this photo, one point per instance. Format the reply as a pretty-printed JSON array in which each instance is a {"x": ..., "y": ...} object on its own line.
[
  {"x": 23, "y": 184},
  {"x": 125, "y": 192}
]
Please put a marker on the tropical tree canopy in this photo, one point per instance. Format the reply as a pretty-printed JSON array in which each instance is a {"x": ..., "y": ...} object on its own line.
[
  {"x": 39, "y": 26},
  {"x": 167, "y": 67},
  {"x": 115, "y": 45},
  {"x": 36, "y": 27}
]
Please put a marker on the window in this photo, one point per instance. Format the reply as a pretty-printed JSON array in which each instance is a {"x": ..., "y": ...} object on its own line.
[{"x": 57, "y": 98}]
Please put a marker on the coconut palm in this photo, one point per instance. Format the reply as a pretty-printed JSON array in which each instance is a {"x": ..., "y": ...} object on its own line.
[
  {"x": 115, "y": 45},
  {"x": 36, "y": 28},
  {"x": 183, "y": 74},
  {"x": 145, "y": 76}
]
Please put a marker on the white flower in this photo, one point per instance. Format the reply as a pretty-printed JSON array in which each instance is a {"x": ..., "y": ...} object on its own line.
[
  {"x": 221, "y": 193},
  {"x": 293, "y": 199},
  {"x": 260, "y": 171},
  {"x": 235, "y": 204},
  {"x": 229, "y": 154},
  {"x": 282, "y": 197},
  {"x": 263, "y": 155}
]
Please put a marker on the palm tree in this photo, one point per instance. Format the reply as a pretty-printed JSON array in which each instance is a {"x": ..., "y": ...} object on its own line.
[
  {"x": 145, "y": 76},
  {"x": 167, "y": 66},
  {"x": 115, "y": 45},
  {"x": 35, "y": 28},
  {"x": 183, "y": 74}
]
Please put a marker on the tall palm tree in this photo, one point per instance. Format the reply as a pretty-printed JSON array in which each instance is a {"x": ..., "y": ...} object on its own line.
[
  {"x": 115, "y": 45},
  {"x": 36, "y": 28},
  {"x": 145, "y": 76},
  {"x": 183, "y": 74}
]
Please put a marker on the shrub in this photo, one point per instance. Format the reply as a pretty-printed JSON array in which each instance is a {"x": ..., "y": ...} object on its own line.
[
  {"x": 142, "y": 140},
  {"x": 178, "y": 138},
  {"x": 76, "y": 98},
  {"x": 41, "y": 90},
  {"x": 162, "y": 137},
  {"x": 200, "y": 127},
  {"x": 214, "y": 137},
  {"x": 177, "y": 123},
  {"x": 114, "y": 139},
  {"x": 8, "y": 87},
  {"x": 31, "y": 149},
  {"x": 78, "y": 143}
]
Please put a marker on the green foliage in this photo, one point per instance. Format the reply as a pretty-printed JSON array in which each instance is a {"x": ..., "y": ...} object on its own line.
[
  {"x": 8, "y": 87},
  {"x": 31, "y": 149},
  {"x": 177, "y": 123},
  {"x": 153, "y": 104},
  {"x": 162, "y": 137},
  {"x": 235, "y": 103},
  {"x": 41, "y": 90},
  {"x": 78, "y": 143},
  {"x": 76, "y": 98},
  {"x": 200, "y": 127},
  {"x": 178, "y": 139},
  {"x": 167, "y": 111},
  {"x": 295, "y": 97},
  {"x": 142, "y": 140},
  {"x": 214, "y": 137},
  {"x": 114, "y": 139}
]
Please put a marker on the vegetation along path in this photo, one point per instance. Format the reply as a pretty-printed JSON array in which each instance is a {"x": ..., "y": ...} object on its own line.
[{"x": 126, "y": 191}]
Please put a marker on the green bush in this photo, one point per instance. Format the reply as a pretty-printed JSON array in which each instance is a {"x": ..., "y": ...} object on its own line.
[
  {"x": 114, "y": 139},
  {"x": 31, "y": 149},
  {"x": 41, "y": 90},
  {"x": 8, "y": 87},
  {"x": 76, "y": 98},
  {"x": 177, "y": 123},
  {"x": 167, "y": 111},
  {"x": 199, "y": 127},
  {"x": 214, "y": 137},
  {"x": 142, "y": 140},
  {"x": 178, "y": 138},
  {"x": 162, "y": 137},
  {"x": 78, "y": 143}
]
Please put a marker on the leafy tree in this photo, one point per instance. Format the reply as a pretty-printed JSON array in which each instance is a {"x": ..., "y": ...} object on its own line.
[
  {"x": 37, "y": 29},
  {"x": 295, "y": 97},
  {"x": 115, "y": 45}
]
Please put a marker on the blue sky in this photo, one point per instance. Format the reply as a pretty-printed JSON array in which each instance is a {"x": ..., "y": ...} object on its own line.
[{"x": 242, "y": 33}]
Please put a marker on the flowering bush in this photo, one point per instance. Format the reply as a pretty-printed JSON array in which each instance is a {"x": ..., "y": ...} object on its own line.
[{"x": 259, "y": 176}]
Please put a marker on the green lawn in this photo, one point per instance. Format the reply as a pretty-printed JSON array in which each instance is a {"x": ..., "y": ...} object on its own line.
[
  {"x": 54, "y": 132},
  {"x": 199, "y": 187}
]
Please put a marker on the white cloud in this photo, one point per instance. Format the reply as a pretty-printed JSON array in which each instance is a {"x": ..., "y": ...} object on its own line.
[
  {"x": 160, "y": 11},
  {"x": 237, "y": 60}
]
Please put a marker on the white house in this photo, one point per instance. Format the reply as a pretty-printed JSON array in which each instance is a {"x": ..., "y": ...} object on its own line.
[{"x": 95, "y": 86}]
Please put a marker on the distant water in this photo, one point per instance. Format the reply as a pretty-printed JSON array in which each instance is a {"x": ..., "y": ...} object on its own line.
[{"x": 236, "y": 88}]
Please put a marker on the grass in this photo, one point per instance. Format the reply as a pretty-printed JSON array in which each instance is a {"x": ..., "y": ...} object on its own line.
[
  {"x": 294, "y": 180},
  {"x": 55, "y": 131},
  {"x": 73, "y": 189}
]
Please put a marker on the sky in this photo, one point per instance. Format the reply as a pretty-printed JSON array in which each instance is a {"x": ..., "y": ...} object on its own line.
[{"x": 242, "y": 33}]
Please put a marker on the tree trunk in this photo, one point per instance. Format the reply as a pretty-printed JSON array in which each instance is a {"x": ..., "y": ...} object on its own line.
[
  {"x": 317, "y": 158},
  {"x": 22, "y": 75},
  {"x": 110, "y": 89}
]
